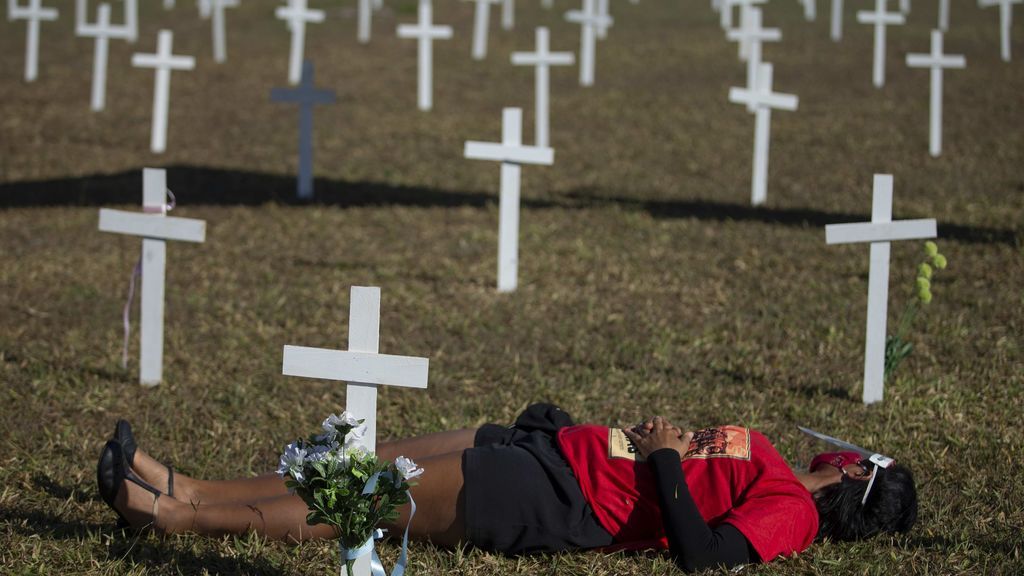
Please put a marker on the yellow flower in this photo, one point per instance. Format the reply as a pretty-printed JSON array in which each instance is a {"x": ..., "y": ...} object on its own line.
[
  {"x": 939, "y": 261},
  {"x": 930, "y": 248},
  {"x": 924, "y": 271}
]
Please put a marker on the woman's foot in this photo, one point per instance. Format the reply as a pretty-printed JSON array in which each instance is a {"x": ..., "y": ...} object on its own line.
[
  {"x": 162, "y": 477},
  {"x": 144, "y": 509}
]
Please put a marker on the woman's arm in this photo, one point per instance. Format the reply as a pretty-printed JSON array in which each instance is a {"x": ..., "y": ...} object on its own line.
[{"x": 693, "y": 544}]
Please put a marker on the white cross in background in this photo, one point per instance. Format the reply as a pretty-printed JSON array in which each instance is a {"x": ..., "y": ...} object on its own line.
[
  {"x": 880, "y": 18},
  {"x": 1005, "y": 22},
  {"x": 215, "y": 8},
  {"x": 741, "y": 34},
  {"x": 481, "y": 24},
  {"x": 425, "y": 32},
  {"x": 363, "y": 367},
  {"x": 542, "y": 60},
  {"x": 937, "y": 61},
  {"x": 810, "y": 9},
  {"x": 589, "y": 22},
  {"x": 836, "y": 31},
  {"x": 512, "y": 154},
  {"x": 34, "y": 13},
  {"x": 880, "y": 232},
  {"x": 763, "y": 100},
  {"x": 163, "y": 61},
  {"x": 365, "y": 14},
  {"x": 297, "y": 14},
  {"x": 508, "y": 14},
  {"x": 754, "y": 35},
  {"x": 102, "y": 31},
  {"x": 905, "y": 6},
  {"x": 129, "y": 30},
  {"x": 944, "y": 15},
  {"x": 156, "y": 228}
]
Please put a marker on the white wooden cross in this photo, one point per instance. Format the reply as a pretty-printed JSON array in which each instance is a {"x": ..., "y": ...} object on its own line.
[
  {"x": 542, "y": 60},
  {"x": 810, "y": 9},
  {"x": 163, "y": 61},
  {"x": 589, "y": 22},
  {"x": 754, "y": 35},
  {"x": 362, "y": 367},
  {"x": 944, "y": 15},
  {"x": 601, "y": 32},
  {"x": 761, "y": 97},
  {"x": 512, "y": 155},
  {"x": 425, "y": 32},
  {"x": 508, "y": 14},
  {"x": 102, "y": 31},
  {"x": 725, "y": 14},
  {"x": 836, "y": 31},
  {"x": 880, "y": 18},
  {"x": 481, "y": 24},
  {"x": 880, "y": 232},
  {"x": 297, "y": 14},
  {"x": 743, "y": 33},
  {"x": 306, "y": 95},
  {"x": 215, "y": 10},
  {"x": 129, "y": 30},
  {"x": 363, "y": 27},
  {"x": 156, "y": 228},
  {"x": 905, "y": 6},
  {"x": 937, "y": 61},
  {"x": 1005, "y": 23},
  {"x": 34, "y": 13}
]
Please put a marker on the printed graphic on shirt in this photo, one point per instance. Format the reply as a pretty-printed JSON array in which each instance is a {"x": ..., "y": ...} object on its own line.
[
  {"x": 720, "y": 442},
  {"x": 619, "y": 446}
]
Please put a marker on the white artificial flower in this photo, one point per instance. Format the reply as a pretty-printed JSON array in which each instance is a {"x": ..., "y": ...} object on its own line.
[
  {"x": 335, "y": 421},
  {"x": 407, "y": 468},
  {"x": 319, "y": 452},
  {"x": 355, "y": 435},
  {"x": 292, "y": 461}
]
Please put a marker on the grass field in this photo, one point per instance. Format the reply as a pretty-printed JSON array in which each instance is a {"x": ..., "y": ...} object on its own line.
[{"x": 647, "y": 283}]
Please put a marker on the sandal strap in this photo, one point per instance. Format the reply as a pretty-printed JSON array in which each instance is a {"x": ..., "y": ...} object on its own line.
[
  {"x": 131, "y": 477},
  {"x": 170, "y": 480}
]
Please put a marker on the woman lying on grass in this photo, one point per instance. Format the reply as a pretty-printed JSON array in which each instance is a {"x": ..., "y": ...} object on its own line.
[{"x": 719, "y": 496}]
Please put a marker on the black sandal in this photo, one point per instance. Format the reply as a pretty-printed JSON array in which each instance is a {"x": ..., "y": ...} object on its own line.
[
  {"x": 124, "y": 436},
  {"x": 113, "y": 470}
]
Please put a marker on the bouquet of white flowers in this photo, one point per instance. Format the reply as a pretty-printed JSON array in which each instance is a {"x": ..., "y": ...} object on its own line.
[{"x": 347, "y": 487}]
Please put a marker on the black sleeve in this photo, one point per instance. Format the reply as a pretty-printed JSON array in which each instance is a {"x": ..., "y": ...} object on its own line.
[{"x": 692, "y": 543}]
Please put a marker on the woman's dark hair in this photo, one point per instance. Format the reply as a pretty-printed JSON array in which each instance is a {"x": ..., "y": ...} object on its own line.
[{"x": 891, "y": 506}]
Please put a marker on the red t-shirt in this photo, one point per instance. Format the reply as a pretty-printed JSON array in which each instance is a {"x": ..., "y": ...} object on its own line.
[{"x": 734, "y": 475}]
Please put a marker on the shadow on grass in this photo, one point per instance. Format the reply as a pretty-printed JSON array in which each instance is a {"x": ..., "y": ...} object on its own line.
[{"x": 236, "y": 187}]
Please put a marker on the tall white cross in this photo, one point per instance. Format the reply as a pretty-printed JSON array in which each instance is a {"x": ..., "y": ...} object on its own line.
[
  {"x": 34, "y": 13},
  {"x": 425, "y": 32},
  {"x": 810, "y": 9},
  {"x": 880, "y": 232},
  {"x": 508, "y": 14},
  {"x": 163, "y": 61},
  {"x": 481, "y": 24},
  {"x": 512, "y": 155},
  {"x": 905, "y": 6},
  {"x": 1005, "y": 23},
  {"x": 362, "y": 367},
  {"x": 215, "y": 9},
  {"x": 836, "y": 29},
  {"x": 306, "y": 95},
  {"x": 297, "y": 14},
  {"x": 937, "y": 61},
  {"x": 763, "y": 100},
  {"x": 542, "y": 60},
  {"x": 754, "y": 35},
  {"x": 743, "y": 33},
  {"x": 589, "y": 22},
  {"x": 155, "y": 228},
  {"x": 365, "y": 15},
  {"x": 880, "y": 18},
  {"x": 128, "y": 30},
  {"x": 944, "y": 15},
  {"x": 725, "y": 14},
  {"x": 102, "y": 31}
]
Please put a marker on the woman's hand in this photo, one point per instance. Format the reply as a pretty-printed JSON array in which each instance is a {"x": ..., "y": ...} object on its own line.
[{"x": 657, "y": 434}]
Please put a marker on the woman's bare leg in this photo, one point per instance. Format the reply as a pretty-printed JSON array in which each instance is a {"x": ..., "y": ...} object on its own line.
[
  {"x": 438, "y": 494},
  {"x": 249, "y": 490}
]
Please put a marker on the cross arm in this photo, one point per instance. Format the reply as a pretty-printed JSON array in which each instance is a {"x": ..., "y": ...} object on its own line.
[
  {"x": 504, "y": 153},
  {"x": 158, "y": 61},
  {"x": 152, "y": 226},
  {"x": 771, "y": 100},
  {"x": 880, "y": 232},
  {"x": 361, "y": 367},
  {"x": 928, "y": 61},
  {"x": 416, "y": 31},
  {"x": 764, "y": 35},
  {"x": 884, "y": 18},
  {"x": 550, "y": 59}
]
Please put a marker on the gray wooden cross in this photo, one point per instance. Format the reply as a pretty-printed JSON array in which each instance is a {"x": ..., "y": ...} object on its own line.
[{"x": 306, "y": 95}]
